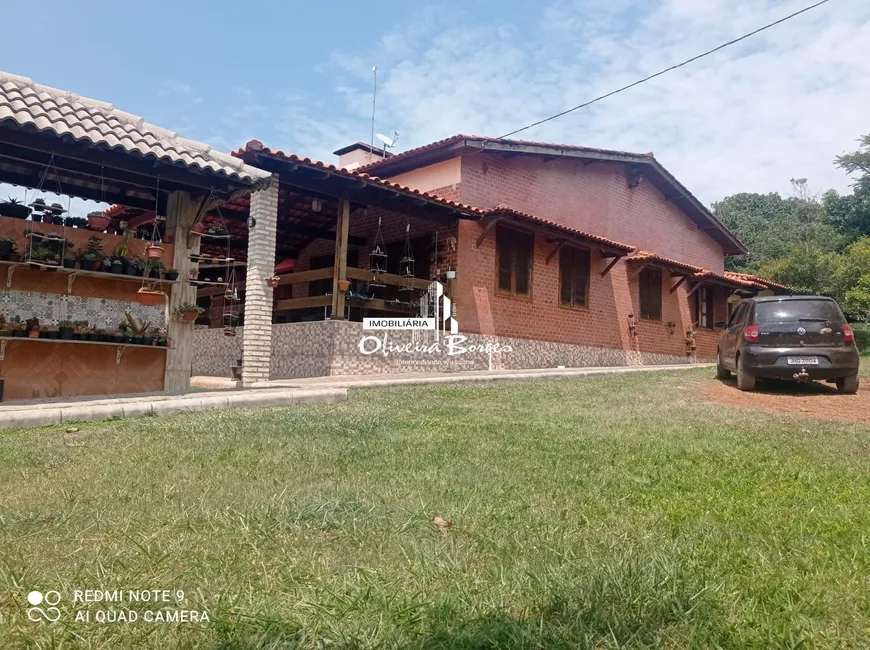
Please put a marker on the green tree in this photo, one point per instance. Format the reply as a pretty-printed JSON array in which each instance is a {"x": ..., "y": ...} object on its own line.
[{"x": 756, "y": 219}]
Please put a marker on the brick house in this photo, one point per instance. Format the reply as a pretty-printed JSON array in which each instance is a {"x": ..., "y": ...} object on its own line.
[{"x": 564, "y": 255}]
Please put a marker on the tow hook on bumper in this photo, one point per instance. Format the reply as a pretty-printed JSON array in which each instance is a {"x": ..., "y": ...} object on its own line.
[{"x": 801, "y": 376}]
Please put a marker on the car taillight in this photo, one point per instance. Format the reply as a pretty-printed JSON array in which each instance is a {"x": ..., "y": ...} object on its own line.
[
  {"x": 751, "y": 333},
  {"x": 848, "y": 335}
]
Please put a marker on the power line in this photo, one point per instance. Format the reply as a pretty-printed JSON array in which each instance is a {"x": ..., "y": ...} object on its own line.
[{"x": 673, "y": 67}]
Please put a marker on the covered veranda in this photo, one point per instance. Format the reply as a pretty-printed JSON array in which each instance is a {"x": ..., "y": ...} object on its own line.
[
  {"x": 55, "y": 141},
  {"x": 307, "y": 242}
]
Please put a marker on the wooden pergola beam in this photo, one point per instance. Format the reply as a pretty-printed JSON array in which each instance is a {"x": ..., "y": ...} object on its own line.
[{"x": 486, "y": 229}]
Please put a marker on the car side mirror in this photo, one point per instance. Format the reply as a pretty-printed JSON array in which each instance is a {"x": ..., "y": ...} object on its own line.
[{"x": 721, "y": 324}]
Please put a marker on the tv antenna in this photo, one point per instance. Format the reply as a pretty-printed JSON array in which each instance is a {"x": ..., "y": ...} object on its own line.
[
  {"x": 374, "y": 97},
  {"x": 388, "y": 143}
]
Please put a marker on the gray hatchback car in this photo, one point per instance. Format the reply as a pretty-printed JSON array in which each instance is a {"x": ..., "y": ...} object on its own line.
[{"x": 789, "y": 337}]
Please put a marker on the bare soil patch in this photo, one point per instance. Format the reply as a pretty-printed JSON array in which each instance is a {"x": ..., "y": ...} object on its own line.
[{"x": 814, "y": 399}]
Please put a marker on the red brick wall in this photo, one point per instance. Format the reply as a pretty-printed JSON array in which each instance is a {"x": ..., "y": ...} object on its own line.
[
  {"x": 604, "y": 323},
  {"x": 594, "y": 198}
]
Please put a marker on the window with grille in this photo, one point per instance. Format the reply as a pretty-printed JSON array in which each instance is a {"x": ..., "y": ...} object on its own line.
[
  {"x": 650, "y": 281},
  {"x": 515, "y": 252},
  {"x": 573, "y": 277}
]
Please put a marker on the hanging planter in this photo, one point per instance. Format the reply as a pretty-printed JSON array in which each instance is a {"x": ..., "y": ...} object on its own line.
[
  {"x": 188, "y": 313},
  {"x": 98, "y": 221},
  {"x": 198, "y": 228},
  {"x": 273, "y": 281},
  {"x": 378, "y": 253},
  {"x": 149, "y": 297},
  {"x": 154, "y": 252}
]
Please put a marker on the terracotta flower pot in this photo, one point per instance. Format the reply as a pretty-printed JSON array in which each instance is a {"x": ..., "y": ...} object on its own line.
[
  {"x": 198, "y": 228},
  {"x": 272, "y": 282},
  {"x": 98, "y": 222},
  {"x": 343, "y": 285},
  {"x": 149, "y": 297},
  {"x": 154, "y": 252},
  {"x": 34, "y": 334},
  {"x": 189, "y": 316}
]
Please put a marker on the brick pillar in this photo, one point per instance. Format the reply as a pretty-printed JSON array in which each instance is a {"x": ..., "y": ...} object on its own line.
[
  {"x": 181, "y": 211},
  {"x": 257, "y": 330}
]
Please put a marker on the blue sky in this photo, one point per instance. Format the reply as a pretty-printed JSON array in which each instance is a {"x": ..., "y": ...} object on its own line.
[{"x": 298, "y": 75}]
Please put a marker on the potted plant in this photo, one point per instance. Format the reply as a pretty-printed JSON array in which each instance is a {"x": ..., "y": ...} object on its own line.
[
  {"x": 343, "y": 285},
  {"x": 217, "y": 230},
  {"x": 7, "y": 245},
  {"x": 98, "y": 221},
  {"x": 81, "y": 331},
  {"x": 133, "y": 266},
  {"x": 66, "y": 329},
  {"x": 188, "y": 313},
  {"x": 154, "y": 252},
  {"x": 126, "y": 333},
  {"x": 150, "y": 297},
  {"x": 198, "y": 228},
  {"x": 32, "y": 326},
  {"x": 273, "y": 281},
  {"x": 117, "y": 265},
  {"x": 153, "y": 269},
  {"x": 137, "y": 328},
  {"x": 13, "y": 208},
  {"x": 19, "y": 327},
  {"x": 5, "y": 328},
  {"x": 49, "y": 332},
  {"x": 69, "y": 258},
  {"x": 171, "y": 274}
]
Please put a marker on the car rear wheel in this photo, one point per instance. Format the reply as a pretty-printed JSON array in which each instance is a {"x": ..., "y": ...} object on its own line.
[
  {"x": 848, "y": 385},
  {"x": 721, "y": 371},
  {"x": 745, "y": 380}
]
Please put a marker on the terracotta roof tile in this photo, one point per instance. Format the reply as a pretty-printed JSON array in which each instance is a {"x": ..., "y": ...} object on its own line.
[
  {"x": 646, "y": 256},
  {"x": 256, "y": 146},
  {"x": 507, "y": 210},
  {"x": 459, "y": 137},
  {"x": 48, "y": 109}
]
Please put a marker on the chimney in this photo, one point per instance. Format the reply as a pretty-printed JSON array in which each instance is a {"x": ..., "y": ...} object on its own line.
[{"x": 359, "y": 154}]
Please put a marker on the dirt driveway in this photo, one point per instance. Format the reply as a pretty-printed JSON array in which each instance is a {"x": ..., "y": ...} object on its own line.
[{"x": 813, "y": 399}]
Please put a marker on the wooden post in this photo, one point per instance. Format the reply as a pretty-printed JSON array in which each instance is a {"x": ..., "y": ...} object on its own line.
[
  {"x": 341, "y": 231},
  {"x": 181, "y": 211}
]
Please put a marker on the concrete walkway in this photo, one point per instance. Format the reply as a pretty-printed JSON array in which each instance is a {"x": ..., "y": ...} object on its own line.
[
  {"x": 469, "y": 376},
  {"x": 223, "y": 393}
]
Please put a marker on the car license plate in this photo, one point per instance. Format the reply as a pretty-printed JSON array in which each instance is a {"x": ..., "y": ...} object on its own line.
[{"x": 803, "y": 361}]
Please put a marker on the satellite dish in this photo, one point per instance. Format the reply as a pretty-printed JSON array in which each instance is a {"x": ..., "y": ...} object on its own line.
[{"x": 388, "y": 142}]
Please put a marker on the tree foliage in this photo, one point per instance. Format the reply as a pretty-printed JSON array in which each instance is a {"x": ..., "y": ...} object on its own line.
[{"x": 814, "y": 244}]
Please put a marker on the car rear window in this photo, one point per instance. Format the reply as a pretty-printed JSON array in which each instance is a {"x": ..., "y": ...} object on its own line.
[{"x": 793, "y": 310}]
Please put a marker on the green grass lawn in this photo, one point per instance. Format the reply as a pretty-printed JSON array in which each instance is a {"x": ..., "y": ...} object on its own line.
[{"x": 601, "y": 513}]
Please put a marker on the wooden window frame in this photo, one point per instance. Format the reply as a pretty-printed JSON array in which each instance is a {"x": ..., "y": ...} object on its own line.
[
  {"x": 571, "y": 305},
  {"x": 640, "y": 290},
  {"x": 501, "y": 230},
  {"x": 710, "y": 294}
]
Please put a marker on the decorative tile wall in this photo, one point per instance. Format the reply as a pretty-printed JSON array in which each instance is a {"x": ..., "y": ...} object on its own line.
[{"x": 51, "y": 308}]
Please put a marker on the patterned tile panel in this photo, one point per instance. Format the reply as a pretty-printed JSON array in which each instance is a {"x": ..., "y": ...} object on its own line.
[{"x": 51, "y": 308}]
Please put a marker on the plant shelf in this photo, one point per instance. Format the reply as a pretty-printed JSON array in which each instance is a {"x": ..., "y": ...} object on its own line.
[
  {"x": 74, "y": 273},
  {"x": 121, "y": 346}
]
